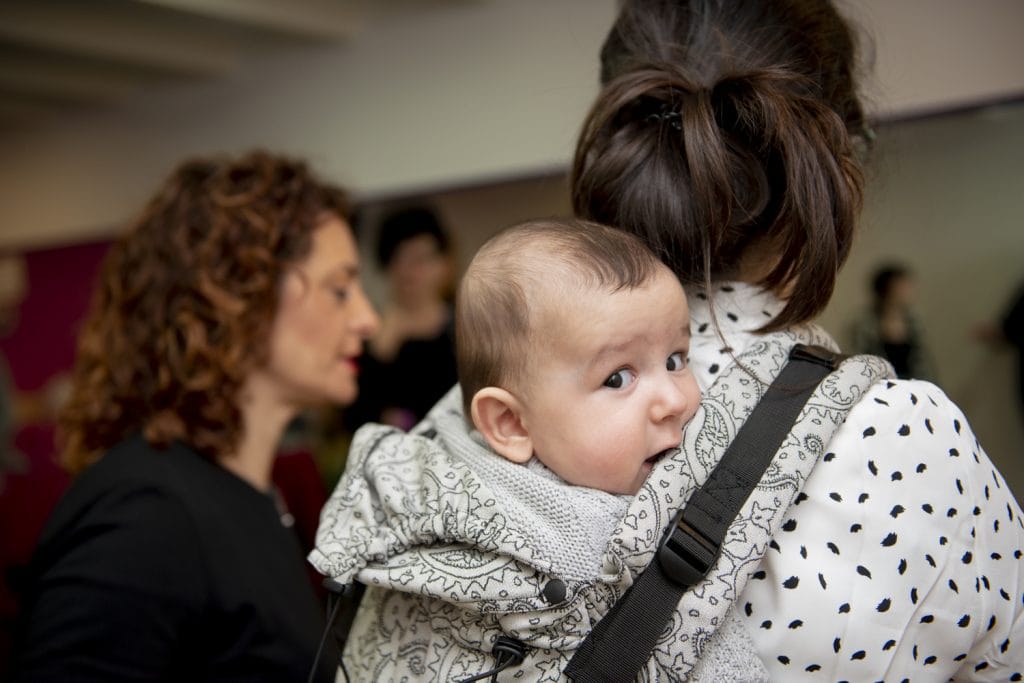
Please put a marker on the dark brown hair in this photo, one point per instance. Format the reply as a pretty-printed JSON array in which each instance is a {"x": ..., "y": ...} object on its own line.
[
  {"x": 723, "y": 126},
  {"x": 520, "y": 271},
  {"x": 185, "y": 302}
]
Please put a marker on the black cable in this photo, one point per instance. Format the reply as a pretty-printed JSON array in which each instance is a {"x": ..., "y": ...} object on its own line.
[
  {"x": 341, "y": 665},
  {"x": 508, "y": 652},
  {"x": 493, "y": 673},
  {"x": 337, "y": 591}
]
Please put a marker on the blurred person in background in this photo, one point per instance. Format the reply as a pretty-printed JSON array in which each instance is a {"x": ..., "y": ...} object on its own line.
[
  {"x": 1012, "y": 326},
  {"x": 1008, "y": 329},
  {"x": 889, "y": 327},
  {"x": 410, "y": 362},
  {"x": 233, "y": 303}
]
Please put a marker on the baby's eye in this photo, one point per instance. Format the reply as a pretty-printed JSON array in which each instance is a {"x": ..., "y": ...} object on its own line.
[
  {"x": 619, "y": 379},
  {"x": 677, "y": 361}
]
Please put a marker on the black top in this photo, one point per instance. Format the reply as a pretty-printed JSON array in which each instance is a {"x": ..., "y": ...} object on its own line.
[
  {"x": 163, "y": 566},
  {"x": 1013, "y": 329},
  {"x": 421, "y": 373},
  {"x": 900, "y": 354}
]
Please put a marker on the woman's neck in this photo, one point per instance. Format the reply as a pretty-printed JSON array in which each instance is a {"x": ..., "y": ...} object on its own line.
[{"x": 263, "y": 423}]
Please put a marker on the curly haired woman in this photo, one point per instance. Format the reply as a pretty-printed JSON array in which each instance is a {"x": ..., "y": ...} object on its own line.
[{"x": 233, "y": 303}]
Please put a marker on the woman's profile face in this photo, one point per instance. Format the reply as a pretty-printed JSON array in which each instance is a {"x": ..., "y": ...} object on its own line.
[{"x": 322, "y": 320}]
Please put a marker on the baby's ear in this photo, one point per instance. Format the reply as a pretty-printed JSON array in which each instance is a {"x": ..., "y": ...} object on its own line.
[{"x": 498, "y": 416}]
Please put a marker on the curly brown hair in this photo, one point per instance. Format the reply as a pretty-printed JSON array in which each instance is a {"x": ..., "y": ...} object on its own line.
[{"x": 185, "y": 302}]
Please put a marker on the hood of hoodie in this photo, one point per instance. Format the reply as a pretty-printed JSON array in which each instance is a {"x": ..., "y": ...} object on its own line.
[{"x": 436, "y": 512}]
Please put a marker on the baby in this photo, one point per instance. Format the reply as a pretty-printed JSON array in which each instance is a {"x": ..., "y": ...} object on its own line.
[{"x": 572, "y": 342}]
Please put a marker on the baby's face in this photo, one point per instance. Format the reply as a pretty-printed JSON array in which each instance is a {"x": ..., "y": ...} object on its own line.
[{"x": 611, "y": 389}]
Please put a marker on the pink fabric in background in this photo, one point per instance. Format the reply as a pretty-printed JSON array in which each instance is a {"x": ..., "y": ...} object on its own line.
[
  {"x": 40, "y": 347},
  {"x": 60, "y": 282}
]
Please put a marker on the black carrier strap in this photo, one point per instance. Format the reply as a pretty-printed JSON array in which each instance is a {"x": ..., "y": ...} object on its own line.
[{"x": 623, "y": 640}]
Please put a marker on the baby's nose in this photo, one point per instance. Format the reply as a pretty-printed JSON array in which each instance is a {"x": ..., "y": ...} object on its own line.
[{"x": 671, "y": 401}]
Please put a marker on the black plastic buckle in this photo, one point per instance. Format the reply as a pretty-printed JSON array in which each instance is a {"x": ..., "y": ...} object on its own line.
[
  {"x": 816, "y": 354},
  {"x": 685, "y": 554}
]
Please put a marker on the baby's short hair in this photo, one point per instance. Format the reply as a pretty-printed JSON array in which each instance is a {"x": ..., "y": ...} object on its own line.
[{"x": 498, "y": 298}]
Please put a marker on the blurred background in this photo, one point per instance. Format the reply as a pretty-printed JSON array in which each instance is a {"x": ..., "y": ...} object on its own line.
[{"x": 470, "y": 107}]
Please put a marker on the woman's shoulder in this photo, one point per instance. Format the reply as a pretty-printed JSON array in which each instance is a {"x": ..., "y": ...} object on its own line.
[
  {"x": 905, "y": 518},
  {"x": 173, "y": 489},
  {"x": 910, "y": 412},
  {"x": 136, "y": 465},
  {"x": 913, "y": 427},
  {"x": 906, "y": 467}
]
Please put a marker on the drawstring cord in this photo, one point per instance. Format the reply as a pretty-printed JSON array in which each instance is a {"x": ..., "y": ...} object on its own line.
[
  {"x": 508, "y": 652},
  {"x": 334, "y": 602}
]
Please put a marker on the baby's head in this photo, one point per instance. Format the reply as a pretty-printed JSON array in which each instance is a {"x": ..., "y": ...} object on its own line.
[{"x": 572, "y": 342}]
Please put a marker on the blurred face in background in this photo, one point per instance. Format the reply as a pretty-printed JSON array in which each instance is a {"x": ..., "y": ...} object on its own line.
[
  {"x": 323, "y": 319},
  {"x": 419, "y": 269},
  {"x": 901, "y": 291}
]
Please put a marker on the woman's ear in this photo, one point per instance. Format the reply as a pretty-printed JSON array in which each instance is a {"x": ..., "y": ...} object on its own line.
[
  {"x": 294, "y": 285},
  {"x": 498, "y": 416}
]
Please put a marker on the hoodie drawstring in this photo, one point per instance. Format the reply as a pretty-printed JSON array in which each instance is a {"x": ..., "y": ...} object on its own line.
[{"x": 508, "y": 652}]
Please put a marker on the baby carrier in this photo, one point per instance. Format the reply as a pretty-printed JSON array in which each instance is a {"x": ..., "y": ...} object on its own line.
[{"x": 463, "y": 585}]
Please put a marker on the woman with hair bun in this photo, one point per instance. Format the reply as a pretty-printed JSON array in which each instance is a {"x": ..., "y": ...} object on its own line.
[
  {"x": 232, "y": 303},
  {"x": 879, "y": 543},
  {"x": 727, "y": 136}
]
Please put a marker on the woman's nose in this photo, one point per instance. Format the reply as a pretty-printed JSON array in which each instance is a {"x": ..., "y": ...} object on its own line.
[{"x": 365, "y": 320}]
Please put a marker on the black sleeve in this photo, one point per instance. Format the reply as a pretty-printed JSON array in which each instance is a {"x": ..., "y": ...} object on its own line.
[
  {"x": 372, "y": 396},
  {"x": 1013, "y": 321},
  {"x": 115, "y": 590}
]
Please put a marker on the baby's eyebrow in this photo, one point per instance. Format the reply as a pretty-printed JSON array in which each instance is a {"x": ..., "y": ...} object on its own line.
[{"x": 609, "y": 350}]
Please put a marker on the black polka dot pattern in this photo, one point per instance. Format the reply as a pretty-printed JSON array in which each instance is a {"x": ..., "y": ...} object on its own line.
[{"x": 904, "y": 557}]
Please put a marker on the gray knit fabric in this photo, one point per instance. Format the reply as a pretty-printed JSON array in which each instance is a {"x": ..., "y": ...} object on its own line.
[
  {"x": 569, "y": 525},
  {"x": 730, "y": 655},
  {"x": 458, "y": 547}
]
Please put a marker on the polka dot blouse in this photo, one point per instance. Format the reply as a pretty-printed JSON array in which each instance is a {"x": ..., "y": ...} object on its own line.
[{"x": 902, "y": 557}]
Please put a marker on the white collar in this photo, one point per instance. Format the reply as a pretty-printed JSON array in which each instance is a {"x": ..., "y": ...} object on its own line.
[{"x": 739, "y": 309}]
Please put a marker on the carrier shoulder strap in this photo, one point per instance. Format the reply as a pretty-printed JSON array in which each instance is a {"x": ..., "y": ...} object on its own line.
[{"x": 622, "y": 641}]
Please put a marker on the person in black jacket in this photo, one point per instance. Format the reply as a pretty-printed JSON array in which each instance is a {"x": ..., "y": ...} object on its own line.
[
  {"x": 1008, "y": 328},
  {"x": 410, "y": 362},
  {"x": 1012, "y": 326},
  {"x": 233, "y": 303}
]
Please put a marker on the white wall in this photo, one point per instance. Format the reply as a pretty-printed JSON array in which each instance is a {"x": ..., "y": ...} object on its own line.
[
  {"x": 465, "y": 93},
  {"x": 933, "y": 55}
]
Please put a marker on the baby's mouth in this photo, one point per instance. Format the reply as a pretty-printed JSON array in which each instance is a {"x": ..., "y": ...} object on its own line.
[{"x": 661, "y": 454}]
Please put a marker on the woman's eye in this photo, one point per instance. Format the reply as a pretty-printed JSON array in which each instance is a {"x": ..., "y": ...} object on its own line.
[
  {"x": 339, "y": 293},
  {"x": 619, "y": 379},
  {"x": 677, "y": 361}
]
